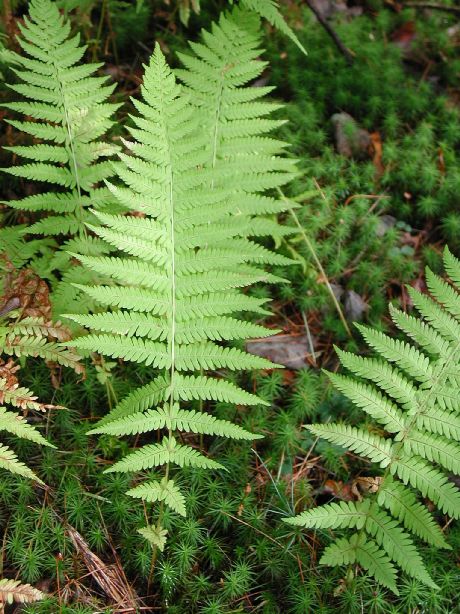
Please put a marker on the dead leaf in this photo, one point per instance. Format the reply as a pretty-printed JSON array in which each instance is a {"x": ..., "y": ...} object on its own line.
[
  {"x": 110, "y": 577},
  {"x": 376, "y": 151},
  {"x": 339, "y": 489}
]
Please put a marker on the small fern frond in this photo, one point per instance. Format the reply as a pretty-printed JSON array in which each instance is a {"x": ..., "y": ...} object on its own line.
[
  {"x": 156, "y": 536},
  {"x": 268, "y": 9},
  {"x": 10, "y": 462},
  {"x": 165, "y": 491},
  {"x": 16, "y": 425},
  {"x": 367, "y": 553}
]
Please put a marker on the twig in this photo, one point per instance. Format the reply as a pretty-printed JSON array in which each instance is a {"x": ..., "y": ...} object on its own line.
[
  {"x": 319, "y": 265},
  {"x": 347, "y": 54},
  {"x": 431, "y": 5},
  {"x": 310, "y": 339}
]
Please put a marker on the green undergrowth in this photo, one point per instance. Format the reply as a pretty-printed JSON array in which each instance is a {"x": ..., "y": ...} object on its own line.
[
  {"x": 369, "y": 244},
  {"x": 384, "y": 92}
]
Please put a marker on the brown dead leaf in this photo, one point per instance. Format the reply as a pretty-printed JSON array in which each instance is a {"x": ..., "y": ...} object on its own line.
[
  {"x": 339, "y": 489},
  {"x": 376, "y": 151},
  {"x": 110, "y": 577},
  {"x": 404, "y": 35},
  {"x": 18, "y": 396},
  {"x": 29, "y": 290},
  {"x": 363, "y": 485}
]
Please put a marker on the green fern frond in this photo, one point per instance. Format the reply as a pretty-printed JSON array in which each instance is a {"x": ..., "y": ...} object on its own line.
[
  {"x": 166, "y": 491},
  {"x": 414, "y": 393},
  {"x": 175, "y": 291},
  {"x": 397, "y": 544},
  {"x": 175, "y": 419},
  {"x": 403, "y": 505},
  {"x": 10, "y": 462},
  {"x": 367, "y": 553},
  {"x": 68, "y": 111},
  {"x": 155, "y": 455},
  {"x": 16, "y": 425},
  {"x": 156, "y": 536},
  {"x": 375, "y": 448},
  {"x": 333, "y": 516}
]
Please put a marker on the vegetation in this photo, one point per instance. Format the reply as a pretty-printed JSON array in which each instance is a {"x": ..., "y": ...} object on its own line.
[{"x": 236, "y": 338}]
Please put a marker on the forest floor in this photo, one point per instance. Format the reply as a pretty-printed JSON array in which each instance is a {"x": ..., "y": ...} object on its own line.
[{"x": 374, "y": 121}]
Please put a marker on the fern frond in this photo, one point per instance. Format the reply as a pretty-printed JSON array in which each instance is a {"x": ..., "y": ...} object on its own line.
[
  {"x": 414, "y": 392},
  {"x": 371, "y": 401},
  {"x": 69, "y": 112},
  {"x": 175, "y": 290},
  {"x": 166, "y": 491},
  {"x": 397, "y": 544},
  {"x": 343, "y": 515},
  {"x": 156, "y": 536},
  {"x": 374, "y": 447},
  {"x": 269, "y": 10},
  {"x": 175, "y": 419},
  {"x": 10, "y": 462},
  {"x": 13, "y": 591},
  {"x": 159, "y": 454},
  {"x": 434, "y": 448},
  {"x": 16, "y": 425},
  {"x": 403, "y": 505},
  {"x": 365, "y": 552},
  {"x": 431, "y": 482}
]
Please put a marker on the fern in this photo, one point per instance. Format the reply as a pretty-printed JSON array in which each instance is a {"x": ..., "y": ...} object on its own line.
[
  {"x": 412, "y": 393},
  {"x": 68, "y": 110},
  {"x": 13, "y": 591},
  {"x": 176, "y": 288}
]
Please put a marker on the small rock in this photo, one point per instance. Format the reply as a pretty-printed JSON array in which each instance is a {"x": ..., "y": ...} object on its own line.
[
  {"x": 288, "y": 350},
  {"x": 386, "y": 223},
  {"x": 355, "y": 307},
  {"x": 351, "y": 140}
]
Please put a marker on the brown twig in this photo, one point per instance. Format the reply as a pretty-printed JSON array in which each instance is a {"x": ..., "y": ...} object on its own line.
[
  {"x": 347, "y": 54},
  {"x": 432, "y": 5}
]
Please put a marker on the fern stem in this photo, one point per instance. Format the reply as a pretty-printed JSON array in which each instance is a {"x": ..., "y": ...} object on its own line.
[
  {"x": 318, "y": 264},
  {"x": 73, "y": 165}
]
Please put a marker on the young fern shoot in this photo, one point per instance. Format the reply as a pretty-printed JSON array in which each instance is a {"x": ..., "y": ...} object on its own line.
[
  {"x": 69, "y": 113},
  {"x": 174, "y": 292},
  {"x": 412, "y": 391}
]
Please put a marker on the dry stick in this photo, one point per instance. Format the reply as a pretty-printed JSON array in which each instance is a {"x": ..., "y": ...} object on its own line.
[
  {"x": 318, "y": 264},
  {"x": 432, "y": 5},
  {"x": 347, "y": 54},
  {"x": 310, "y": 339}
]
